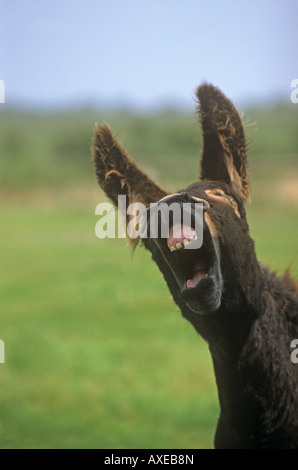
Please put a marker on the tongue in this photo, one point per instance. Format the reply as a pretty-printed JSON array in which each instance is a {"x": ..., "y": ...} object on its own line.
[
  {"x": 200, "y": 272},
  {"x": 178, "y": 233}
]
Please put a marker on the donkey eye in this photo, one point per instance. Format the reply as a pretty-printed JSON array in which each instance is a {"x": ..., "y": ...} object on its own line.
[
  {"x": 219, "y": 194},
  {"x": 228, "y": 199}
]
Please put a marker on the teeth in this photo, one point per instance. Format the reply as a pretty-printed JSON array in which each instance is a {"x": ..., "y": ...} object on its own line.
[{"x": 185, "y": 242}]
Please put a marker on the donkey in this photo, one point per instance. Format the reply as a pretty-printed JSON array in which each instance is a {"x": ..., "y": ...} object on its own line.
[{"x": 247, "y": 315}]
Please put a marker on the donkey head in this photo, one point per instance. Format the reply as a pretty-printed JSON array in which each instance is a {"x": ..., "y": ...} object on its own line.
[{"x": 214, "y": 280}]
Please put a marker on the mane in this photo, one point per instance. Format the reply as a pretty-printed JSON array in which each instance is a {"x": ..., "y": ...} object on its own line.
[{"x": 290, "y": 282}]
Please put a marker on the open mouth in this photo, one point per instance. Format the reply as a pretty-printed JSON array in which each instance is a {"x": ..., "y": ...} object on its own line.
[
  {"x": 193, "y": 273},
  {"x": 194, "y": 264}
]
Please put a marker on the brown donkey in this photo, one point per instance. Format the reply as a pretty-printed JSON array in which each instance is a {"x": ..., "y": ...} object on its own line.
[{"x": 248, "y": 316}]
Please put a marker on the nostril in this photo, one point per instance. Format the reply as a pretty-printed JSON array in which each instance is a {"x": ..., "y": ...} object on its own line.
[{"x": 205, "y": 203}]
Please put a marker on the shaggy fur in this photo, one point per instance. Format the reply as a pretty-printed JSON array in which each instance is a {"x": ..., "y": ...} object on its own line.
[{"x": 247, "y": 315}]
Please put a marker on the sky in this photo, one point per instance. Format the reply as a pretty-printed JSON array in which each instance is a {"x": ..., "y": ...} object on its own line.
[{"x": 145, "y": 53}]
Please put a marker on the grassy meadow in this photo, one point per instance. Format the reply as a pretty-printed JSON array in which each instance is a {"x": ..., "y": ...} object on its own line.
[{"x": 97, "y": 354}]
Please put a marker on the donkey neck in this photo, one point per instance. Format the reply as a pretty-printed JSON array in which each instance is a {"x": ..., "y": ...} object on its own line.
[
  {"x": 240, "y": 414},
  {"x": 257, "y": 384}
]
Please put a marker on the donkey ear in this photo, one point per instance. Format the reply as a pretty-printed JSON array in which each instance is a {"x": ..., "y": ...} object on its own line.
[
  {"x": 117, "y": 174},
  {"x": 224, "y": 154}
]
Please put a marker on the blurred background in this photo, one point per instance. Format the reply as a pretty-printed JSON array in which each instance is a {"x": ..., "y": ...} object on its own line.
[{"x": 97, "y": 354}]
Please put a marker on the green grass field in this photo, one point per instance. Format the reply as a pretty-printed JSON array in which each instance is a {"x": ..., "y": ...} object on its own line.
[{"x": 97, "y": 354}]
